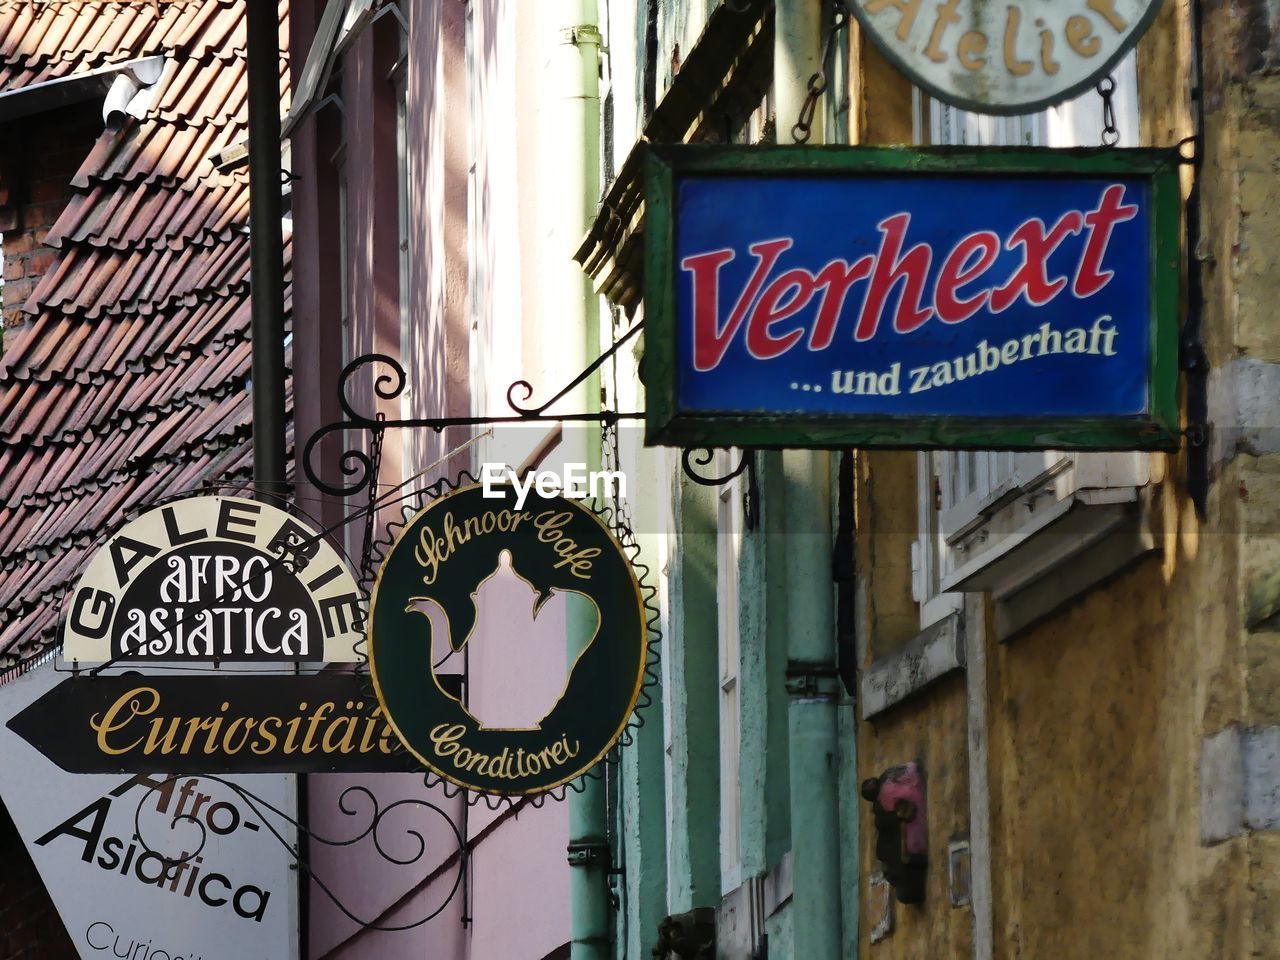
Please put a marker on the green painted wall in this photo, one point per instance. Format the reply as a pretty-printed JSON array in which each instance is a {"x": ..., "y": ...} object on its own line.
[
  {"x": 779, "y": 929},
  {"x": 762, "y": 696},
  {"x": 693, "y": 869},
  {"x": 640, "y": 827},
  {"x": 669, "y": 849}
]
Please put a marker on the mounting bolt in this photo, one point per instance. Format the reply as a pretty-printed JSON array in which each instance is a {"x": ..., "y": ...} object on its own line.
[
  {"x": 1194, "y": 358},
  {"x": 586, "y": 853}
]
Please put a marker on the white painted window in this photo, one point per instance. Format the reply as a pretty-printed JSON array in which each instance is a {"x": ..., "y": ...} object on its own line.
[
  {"x": 977, "y": 506},
  {"x": 356, "y": 17},
  {"x": 728, "y": 553},
  {"x": 668, "y": 550}
]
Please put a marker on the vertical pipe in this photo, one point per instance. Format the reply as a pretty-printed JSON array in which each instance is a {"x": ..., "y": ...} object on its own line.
[
  {"x": 266, "y": 246},
  {"x": 575, "y": 128},
  {"x": 797, "y": 55},
  {"x": 975, "y": 641},
  {"x": 812, "y": 680},
  {"x": 1194, "y": 360},
  {"x": 838, "y": 117},
  {"x": 266, "y": 287}
]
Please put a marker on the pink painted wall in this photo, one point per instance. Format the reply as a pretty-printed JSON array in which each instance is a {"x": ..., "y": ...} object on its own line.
[{"x": 471, "y": 141}]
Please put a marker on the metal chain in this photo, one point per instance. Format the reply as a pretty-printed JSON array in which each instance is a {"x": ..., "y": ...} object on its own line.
[
  {"x": 818, "y": 84},
  {"x": 371, "y": 518},
  {"x": 1110, "y": 132}
]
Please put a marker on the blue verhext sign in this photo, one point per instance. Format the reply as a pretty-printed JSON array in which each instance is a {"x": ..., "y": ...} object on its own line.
[{"x": 908, "y": 298}]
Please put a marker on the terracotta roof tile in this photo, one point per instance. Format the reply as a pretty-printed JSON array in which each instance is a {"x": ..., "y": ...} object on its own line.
[
  {"x": 128, "y": 383},
  {"x": 46, "y": 40}
]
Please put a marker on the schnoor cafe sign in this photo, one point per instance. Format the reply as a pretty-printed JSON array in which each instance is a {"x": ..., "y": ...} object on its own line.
[
  {"x": 535, "y": 601},
  {"x": 214, "y": 578}
]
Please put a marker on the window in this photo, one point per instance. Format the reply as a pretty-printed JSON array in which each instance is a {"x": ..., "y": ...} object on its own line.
[
  {"x": 728, "y": 553},
  {"x": 668, "y": 550},
  {"x": 980, "y": 511},
  {"x": 355, "y": 18}
]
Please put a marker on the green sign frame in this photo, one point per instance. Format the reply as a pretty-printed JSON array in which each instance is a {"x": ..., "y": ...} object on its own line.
[{"x": 668, "y": 424}]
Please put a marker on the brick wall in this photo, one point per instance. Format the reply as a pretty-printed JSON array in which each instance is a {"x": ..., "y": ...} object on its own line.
[
  {"x": 39, "y": 157},
  {"x": 29, "y": 925}
]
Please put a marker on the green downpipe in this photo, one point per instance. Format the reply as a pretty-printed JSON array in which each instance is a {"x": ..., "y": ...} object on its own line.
[
  {"x": 812, "y": 684},
  {"x": 575, "y": 125}
]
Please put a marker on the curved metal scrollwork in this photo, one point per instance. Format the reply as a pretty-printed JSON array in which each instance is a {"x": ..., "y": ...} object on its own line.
[
  {"x": 702, "y": 457},
  {"x": 358, "y": 468},
  {"x": 373, "y": 830},
  {"x": 386, "y": 386}
]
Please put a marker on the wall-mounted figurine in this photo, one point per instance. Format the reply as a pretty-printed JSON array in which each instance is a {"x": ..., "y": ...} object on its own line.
[{"x": 897, "y": 798}]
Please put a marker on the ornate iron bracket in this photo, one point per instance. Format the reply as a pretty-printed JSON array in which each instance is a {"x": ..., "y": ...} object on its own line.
[
  {"x": 358, "y": 466},
  {"x": 361, "y": 468}
]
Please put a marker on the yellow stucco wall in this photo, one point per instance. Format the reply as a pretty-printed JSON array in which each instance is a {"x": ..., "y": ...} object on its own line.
[
  {"x": 1097, "y": 716},
  {"x": 932, "y": 732},
  {"x": 1082, "y": 812}
]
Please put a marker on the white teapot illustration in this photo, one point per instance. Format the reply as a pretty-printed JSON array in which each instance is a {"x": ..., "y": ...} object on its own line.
[{"x": 520, "y": 661}]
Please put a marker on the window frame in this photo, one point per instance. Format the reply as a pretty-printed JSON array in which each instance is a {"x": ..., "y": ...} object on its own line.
[{"x": 729, "y": 542}]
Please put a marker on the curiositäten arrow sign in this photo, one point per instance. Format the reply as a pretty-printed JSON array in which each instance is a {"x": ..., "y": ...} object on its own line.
[{"x": 130, "y": 723}]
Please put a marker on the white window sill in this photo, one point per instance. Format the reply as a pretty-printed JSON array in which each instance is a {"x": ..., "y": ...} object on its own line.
[
  {"x": 1081, "y": 540},
  {"x": 934, "y": 653}
]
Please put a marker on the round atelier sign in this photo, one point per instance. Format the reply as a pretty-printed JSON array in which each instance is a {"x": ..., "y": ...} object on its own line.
[
  {"x": 1011, "y": 56},
  {"x": 541, "y": 610}
]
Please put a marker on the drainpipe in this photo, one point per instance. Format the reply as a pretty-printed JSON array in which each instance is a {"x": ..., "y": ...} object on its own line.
[
  {"x": 975, "y": 642},
  {"x": 266, "y": 320},
  {"x": 574, "y": 106},
  {"x": 266, "y": 246},
  {"x": 812, "y": 678}
]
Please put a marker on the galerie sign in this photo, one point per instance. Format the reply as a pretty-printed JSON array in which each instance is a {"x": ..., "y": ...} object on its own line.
[
  {"x": 912, "y": 298},
  {"x": 149, "y": 866},
  {"x": 210, "y": 723},
  {"x": 214, "y": 578},
  {"x": 545, "y": 609},
  {"x": 1006, "y": 57}
]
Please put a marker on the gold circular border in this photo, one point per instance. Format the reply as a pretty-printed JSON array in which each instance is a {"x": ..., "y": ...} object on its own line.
[{"x": 635, "y": 693}]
